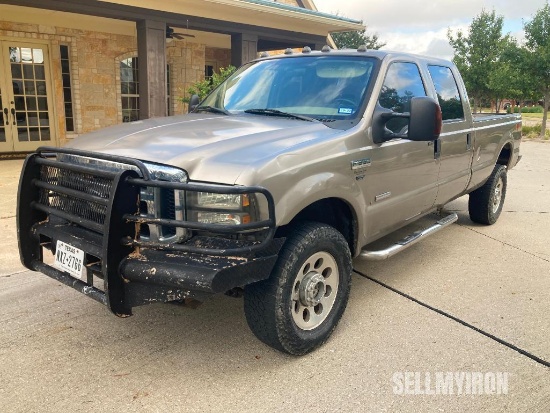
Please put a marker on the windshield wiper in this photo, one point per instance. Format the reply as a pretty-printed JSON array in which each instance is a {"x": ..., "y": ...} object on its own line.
[
  {"x": 211, "y": 109},
  {"x": 276, "y": 112}
]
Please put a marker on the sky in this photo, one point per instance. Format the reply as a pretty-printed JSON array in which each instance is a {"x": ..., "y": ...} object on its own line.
[{"x": 420, "y": 26}]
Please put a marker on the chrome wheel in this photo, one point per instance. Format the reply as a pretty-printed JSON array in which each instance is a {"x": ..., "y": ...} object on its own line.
[
  {"x": 497, "y": 195},
  {"x": 315, "y": 289}
]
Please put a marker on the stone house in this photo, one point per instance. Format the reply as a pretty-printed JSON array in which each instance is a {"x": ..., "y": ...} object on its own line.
[{"x": 67, "y": 67}]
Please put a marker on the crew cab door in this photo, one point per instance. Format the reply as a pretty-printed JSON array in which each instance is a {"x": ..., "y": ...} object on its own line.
[
  {"x": 401, "y": 181},
  {"x": 456, "y": 139}
]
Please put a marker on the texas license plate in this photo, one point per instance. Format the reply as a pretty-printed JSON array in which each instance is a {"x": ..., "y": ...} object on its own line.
[{"x": 69, "y": 259}]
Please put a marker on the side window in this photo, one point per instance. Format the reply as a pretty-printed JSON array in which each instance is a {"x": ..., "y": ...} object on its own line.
[
  {"x": 67, "y": 88},
  {"x": 129, "y": 89},
  {"x": 402, "y": 83},
  {"x": 447, "y": 92}
]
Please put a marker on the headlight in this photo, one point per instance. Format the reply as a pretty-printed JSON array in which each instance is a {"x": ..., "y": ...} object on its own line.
[{"x": 223, "y": 209}]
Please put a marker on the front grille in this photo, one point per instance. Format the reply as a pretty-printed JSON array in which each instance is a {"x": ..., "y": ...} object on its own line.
[
  {"x": 155, "y": 202},
  {"x": 160, "y": 203},
  {"x": 167, "y": 201},
  {"x": 83, "y": 183}
]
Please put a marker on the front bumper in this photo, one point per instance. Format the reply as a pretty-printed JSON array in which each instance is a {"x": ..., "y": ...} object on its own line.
[{"x": 121, "y": 270}]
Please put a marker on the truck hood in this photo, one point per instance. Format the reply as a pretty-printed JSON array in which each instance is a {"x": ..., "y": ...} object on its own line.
[{"x": 210, "y": 147}]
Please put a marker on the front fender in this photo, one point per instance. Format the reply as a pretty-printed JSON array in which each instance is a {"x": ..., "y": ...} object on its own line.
[{"x": 313, "y": 188}]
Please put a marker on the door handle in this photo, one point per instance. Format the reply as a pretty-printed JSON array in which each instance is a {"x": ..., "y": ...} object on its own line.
[
  {"x": 468, "y": 141},
  {"x": 13, "y": 115},
  {"x": 6, "y": 117}
]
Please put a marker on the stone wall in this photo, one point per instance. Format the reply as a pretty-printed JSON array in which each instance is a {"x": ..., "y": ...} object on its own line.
[{"x": 222, "y": 56}]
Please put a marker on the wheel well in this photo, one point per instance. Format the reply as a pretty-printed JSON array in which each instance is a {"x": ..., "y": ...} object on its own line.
[
  {"x": 505, "y": 155},
  {"x": 330, "y": 211}
]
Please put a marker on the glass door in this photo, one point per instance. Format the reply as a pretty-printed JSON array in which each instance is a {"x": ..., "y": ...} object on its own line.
[
  {"x": 26, "y": 97},
  {"x": 5, "y": 146}
]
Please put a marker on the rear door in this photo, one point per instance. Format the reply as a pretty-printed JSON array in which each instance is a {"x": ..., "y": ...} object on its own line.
[{"x": 456, "y": 139}]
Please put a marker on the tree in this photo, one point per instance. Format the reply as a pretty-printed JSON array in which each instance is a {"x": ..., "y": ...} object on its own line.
[
  {"x": 354, "y": 39},
  {"x": 477, "y": 53},
  {"x": 537, "y": 34},
  {"x": 507, "y": 80}
]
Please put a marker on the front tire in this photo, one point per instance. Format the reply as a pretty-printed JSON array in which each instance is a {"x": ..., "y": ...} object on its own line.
[
  {"x": 298, "y": 307},
  {"x": 485, "y": 203}
]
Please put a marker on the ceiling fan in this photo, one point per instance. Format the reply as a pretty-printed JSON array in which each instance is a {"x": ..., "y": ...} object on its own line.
[{"x": 171, "y": 34}]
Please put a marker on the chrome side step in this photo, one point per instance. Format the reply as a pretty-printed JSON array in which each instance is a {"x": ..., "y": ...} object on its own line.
[{"x": 408, "y": 240}]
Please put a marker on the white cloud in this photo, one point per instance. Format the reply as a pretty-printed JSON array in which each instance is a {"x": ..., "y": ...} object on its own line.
[
  {"x": 419, "y": 26},
  {"x": 429, "y": 43}
]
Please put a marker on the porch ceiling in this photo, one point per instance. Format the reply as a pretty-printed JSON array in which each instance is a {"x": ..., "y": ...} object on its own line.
[{"x": 28, "y": 15}]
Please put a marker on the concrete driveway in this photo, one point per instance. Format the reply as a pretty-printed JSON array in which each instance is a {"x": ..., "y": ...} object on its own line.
[{"x": 470, "y": 301}]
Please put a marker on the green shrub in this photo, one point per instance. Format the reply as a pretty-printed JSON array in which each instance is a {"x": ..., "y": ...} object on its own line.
[
  {"x": 203, "y": 87},
  {"x": 527, "y": 130},
  {"x": 532, "y": 109},
  {"x": 533, "y": 132},
  {"x": 527, "y": 109}
]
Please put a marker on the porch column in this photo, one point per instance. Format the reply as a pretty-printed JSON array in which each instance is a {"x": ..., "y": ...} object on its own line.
[
  {"x": 244, "y": 48},
  {"x": 151, "y": 38}
]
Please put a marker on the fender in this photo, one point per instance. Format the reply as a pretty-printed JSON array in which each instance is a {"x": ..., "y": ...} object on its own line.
[
  {"x": 482, "y": 164},
  {"x": 318, "y": 187}
]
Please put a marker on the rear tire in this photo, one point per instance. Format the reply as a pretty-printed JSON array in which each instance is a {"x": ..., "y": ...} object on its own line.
[
  {"x": 485, "y": 203},
  {"x": 298, "y": 307}
]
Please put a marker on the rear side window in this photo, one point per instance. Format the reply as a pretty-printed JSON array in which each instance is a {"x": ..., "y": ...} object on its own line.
[
  {"x": 402, "y": 83},
  {"x": 447, "y": 92}
]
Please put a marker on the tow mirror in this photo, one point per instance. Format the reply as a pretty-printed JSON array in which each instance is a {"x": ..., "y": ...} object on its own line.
[
  {"x": 193, "y": 103},
  {"x": 424, "y": 121}
]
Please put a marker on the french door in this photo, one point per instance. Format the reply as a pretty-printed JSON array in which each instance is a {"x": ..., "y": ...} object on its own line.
[{"x": 25, "y": 97}]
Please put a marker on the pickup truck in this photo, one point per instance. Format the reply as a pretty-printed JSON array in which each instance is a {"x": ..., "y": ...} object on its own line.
[{"x": 268, "y": 188}]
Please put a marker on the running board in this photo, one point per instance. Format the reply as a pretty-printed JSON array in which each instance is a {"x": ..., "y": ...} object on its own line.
[{"x": 408, "y": 240}]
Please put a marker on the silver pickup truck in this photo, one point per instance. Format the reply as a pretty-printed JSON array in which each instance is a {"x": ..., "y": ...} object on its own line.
[{"x": 268, "y": 188}]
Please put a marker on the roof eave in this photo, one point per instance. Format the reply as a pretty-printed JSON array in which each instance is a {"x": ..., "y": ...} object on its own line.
[{"x": 314, "y": 22}]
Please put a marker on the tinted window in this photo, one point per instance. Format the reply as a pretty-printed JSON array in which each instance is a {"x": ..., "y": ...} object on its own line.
[
  {"x": 447, "y": 92},
  {"x": 402, "y": 83}
]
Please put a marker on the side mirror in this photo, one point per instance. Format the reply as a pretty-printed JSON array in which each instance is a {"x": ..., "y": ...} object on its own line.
[
  {"x": 193, "y": 103},
  {"x": 424, "y": 121},
  {"x": 380, "y": 132}
]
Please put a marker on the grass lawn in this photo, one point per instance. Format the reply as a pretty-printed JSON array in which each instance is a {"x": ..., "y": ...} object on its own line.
[{"x": 532, "y": 115}]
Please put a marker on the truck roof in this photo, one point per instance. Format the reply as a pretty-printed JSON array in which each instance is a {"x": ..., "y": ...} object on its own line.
[{"x": 378, "y": 54}]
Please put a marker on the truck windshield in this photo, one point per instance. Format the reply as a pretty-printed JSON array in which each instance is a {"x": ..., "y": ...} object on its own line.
[{"x": 325, "y": 88}]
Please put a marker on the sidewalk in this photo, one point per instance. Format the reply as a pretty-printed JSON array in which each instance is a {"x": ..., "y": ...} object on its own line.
[{"x": 9, "y": 180}]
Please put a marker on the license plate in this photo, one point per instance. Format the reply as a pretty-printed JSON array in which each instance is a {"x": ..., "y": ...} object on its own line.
[{"x": 69, "y": 259}]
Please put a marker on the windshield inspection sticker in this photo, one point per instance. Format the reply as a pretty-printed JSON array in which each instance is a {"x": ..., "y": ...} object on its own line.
[{"x": 345, "y": 111}]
